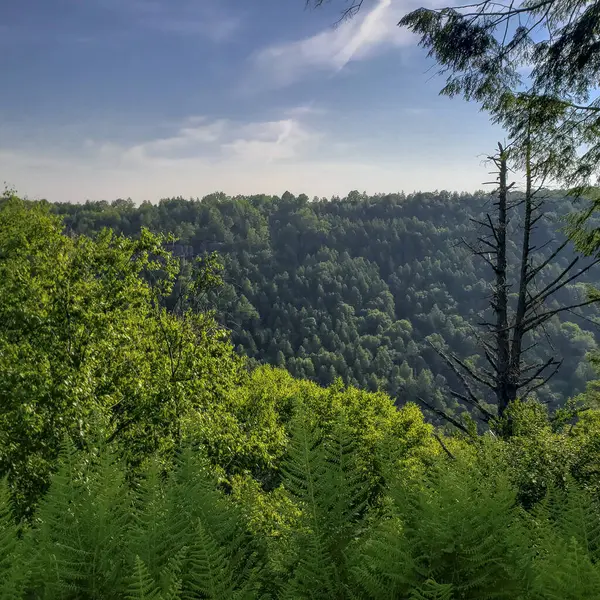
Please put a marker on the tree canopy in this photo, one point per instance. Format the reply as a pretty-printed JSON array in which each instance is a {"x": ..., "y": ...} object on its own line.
[{"x": 358, "y": 287}]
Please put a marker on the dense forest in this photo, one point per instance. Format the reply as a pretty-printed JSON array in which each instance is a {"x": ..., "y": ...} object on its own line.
[
  {"x": 142, "y": 457},
  {"x": 357, "y": 287}
]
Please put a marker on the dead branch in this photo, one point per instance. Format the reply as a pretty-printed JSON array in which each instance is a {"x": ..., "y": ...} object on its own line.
[{"x": 445, "y": 416}]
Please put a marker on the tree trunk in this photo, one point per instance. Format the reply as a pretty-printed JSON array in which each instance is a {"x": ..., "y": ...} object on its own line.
[{"x": 500, "y": 302}]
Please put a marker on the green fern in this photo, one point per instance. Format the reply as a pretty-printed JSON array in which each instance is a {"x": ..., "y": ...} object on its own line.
[
  {"x": 171, "y": 581},
  {"x": 75, "y": 547},
  {"x": 382, "y": 566},
  {"x": 58, "y": 554},
  {"x": 8, "y": 532},
  {"x": 209, "y": 569},
  {"x": 149, "y": 535},
  {"x": 142, "y": 586},
  {"x": 322, "y": 474},
  {"x": 12, "y": 564},
  {"x": 220, "y": 554},
  {"x": 314, "y": 574},
  {"x": 579, "y": 517},
  {"x": 456, "y": 527},
  {"x": 455, "y": 533},
  {"x": 430, "y": 590},
  {"x": 344, "y": 500},
  {"x": 562, "y": 545},
  {"x": 565, "y": 572},
  {"x": 104, "y": 518}
]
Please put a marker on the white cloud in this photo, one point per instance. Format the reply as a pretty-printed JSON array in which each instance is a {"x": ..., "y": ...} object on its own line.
[
  {"x": 198, "y": 141},
  {"x": 262, "y": 157},
  {"x": 297, "y": 149},
  {"x": 190, "y": 139},
  {"x": 77, "y": 181},
  {"x": 272, "y": 141},
  {"x": 367, "y": 34}
]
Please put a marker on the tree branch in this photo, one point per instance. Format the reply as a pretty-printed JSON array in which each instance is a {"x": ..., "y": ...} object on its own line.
[
  {"x": 537, "y": 373},
  {"x": 539, "y": 319},
  {"x": 445, "y": 448},
  {"x": 445, "y": 416},
  {"x": 544, "y": 381}
]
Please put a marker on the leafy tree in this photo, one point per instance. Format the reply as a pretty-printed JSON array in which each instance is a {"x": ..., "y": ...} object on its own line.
[{"x": 87, "y": 350}]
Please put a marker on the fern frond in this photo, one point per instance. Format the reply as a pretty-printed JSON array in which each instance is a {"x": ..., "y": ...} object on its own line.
[
  {"x": 171, "y": 581},
  {"x": 209, "y": 573},
  {"x": 562, "y": 545},
  {"x": 60, "y": 556},
  {"x": 142, "y": 586},
  {"x": 344, "y": 490},
  {"x": 381, "y": 565},
  {"x": 579, "y": 517},
  {"x": 314, "y": 575},
  {"x": 148, "y": 536},
  {"x": 456, "y": 526},
  {"x": 304, "y": 469},
  {"x": 220, "y": 559},
  {"x": 430, "y": 590},
  {"x": 13, "y": 565},
  {"x": 565, "y": 572},
  {"x": 322, "y": 473},
  {"x": 8, "y": 532}
]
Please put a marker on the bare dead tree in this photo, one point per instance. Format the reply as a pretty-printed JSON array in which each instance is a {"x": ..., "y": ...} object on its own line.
[{"x": 509, "y": 374}]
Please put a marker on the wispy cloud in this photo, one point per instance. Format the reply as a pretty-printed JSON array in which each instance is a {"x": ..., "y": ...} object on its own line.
[
  {"x": 200, "y": 153},
  {"x": 218, "y": 141},
  {"x": 371, "y": 32},
  {"x": 66, "y": 179}
]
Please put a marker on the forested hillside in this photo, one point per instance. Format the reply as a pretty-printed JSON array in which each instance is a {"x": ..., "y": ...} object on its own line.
[
  {"x": 356, "y": 287},
  {"x": 141, "y": 458}
]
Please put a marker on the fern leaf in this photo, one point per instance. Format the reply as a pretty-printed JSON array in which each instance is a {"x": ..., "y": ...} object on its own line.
[
  {"x": 431, "y": 590},
  {"x": 209, "y": 571},
  {"x": 381, "y": 564},
  {"x": 61, "y": 556},
  {"x": 220, "y": 558},
  {"x": 13, "y": 563},
  {"x": 8, "y": 532},
  {"x": 171, "y": 576},
  {"x": 142, "y": 586}
]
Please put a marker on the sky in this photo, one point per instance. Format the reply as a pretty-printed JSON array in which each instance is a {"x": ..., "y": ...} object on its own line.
[{"x": 146, "y": 99}]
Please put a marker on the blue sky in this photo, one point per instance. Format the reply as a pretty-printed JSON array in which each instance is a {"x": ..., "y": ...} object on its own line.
[{"x": 152, "y": 98}]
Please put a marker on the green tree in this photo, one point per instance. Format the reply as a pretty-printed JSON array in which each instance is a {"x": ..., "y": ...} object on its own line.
[{"x": 88, "y": 351}]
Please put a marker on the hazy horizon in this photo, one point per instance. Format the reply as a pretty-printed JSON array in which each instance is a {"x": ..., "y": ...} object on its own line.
[{"x": 149, "y": 99}]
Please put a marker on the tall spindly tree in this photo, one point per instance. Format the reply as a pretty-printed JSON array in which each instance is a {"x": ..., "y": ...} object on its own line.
[
  {"x": 533, "y": 66},
  {"x": 521, "y": 301}
]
